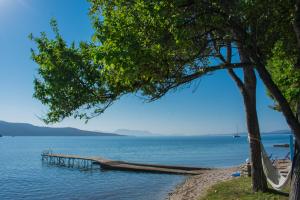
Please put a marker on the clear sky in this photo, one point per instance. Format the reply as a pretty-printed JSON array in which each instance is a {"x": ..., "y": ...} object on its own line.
[{"x": 210, "y": 105}]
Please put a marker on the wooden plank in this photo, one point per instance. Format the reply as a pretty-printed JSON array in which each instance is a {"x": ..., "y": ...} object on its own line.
[
  {"x": 148, "y": 168},
  {"x": 128, "y": 166}
]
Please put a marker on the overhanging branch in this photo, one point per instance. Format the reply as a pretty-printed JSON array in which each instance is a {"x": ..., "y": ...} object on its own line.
[
  {"x": 205, "y": 70},
  {"x": 200, "y": 72}
]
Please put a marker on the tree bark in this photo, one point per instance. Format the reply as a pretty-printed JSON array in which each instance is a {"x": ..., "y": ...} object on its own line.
[
  {"x": 295, "y": 184},
  {"x": 248, "y": 90},
  {"x": 259, "y": 182}
]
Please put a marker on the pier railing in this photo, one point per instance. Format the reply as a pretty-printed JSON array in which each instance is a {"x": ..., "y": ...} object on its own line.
[{"x": 71, "y": 161}]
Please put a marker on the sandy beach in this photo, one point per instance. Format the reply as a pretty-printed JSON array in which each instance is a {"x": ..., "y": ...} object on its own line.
[{"x": 195, "y": 187}]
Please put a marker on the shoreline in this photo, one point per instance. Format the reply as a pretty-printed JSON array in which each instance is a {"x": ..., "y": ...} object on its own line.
[{"x": 195, "y": 187}]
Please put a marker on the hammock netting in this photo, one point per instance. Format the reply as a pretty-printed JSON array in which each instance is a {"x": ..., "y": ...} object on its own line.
[{"x": 274, "y": 178}]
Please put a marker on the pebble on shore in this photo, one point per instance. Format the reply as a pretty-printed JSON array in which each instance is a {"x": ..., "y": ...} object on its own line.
[{"x": 195, "y": 187}]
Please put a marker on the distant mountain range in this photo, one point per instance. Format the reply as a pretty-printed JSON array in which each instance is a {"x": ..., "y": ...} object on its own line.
[
  {"x": 135, "y": 132},
  {"x": 23, "y": 129}
]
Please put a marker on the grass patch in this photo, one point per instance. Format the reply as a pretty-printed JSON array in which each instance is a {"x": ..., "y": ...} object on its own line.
[{"x": 240, "y": 189}]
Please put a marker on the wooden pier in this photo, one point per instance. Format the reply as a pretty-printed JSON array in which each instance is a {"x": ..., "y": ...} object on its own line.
[{"x": 88, "y": 163}]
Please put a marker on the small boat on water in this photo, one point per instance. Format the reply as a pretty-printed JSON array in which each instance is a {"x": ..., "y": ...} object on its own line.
[
  {"x": 281, "y": 145},
  {"x": 236, "y": 135}
]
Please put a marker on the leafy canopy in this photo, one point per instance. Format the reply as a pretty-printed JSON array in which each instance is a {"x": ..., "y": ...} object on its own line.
[
  {"x": 69, "y": 79},
  {"x": 150, "y": 48},
  {"x": 282, "y": 68}
]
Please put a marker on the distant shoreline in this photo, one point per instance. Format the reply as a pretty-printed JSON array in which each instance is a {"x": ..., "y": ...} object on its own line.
[
  {"x": 23, "y": 129},
  {"x": 64, "y": 136},
  {"x": 99, "y": 134}
]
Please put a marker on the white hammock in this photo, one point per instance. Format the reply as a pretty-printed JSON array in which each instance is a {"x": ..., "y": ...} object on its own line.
[{"x": 274, "y": 178}]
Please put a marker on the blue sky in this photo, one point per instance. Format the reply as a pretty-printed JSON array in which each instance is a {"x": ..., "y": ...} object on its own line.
[{"x": 210, "y": 105}]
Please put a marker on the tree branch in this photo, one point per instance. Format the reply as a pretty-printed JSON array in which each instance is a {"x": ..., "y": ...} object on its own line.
[
  {"x": 233, "y": 75},
  {"x": 238, "y": 81},
  {"x": 202, "y": 71},
  {"x": 225, "y": 66},
  {"x": 205, "y": 70},
  {"x": 229, "y": 53}
]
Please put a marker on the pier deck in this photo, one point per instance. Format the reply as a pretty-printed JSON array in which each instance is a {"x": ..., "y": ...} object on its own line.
[{"x": 88, "y": 162}]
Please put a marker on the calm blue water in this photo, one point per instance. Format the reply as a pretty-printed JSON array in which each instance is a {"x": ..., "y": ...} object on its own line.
[{"x": 23, "y": 176}]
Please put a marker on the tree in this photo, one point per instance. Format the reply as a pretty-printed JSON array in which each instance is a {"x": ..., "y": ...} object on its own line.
[
  {"x": 256, "y": 24},
  {"x": 152, "y": 47},
  {"x": 260, "y": 25},
  {"x": 248, "y": 91},
  {"x": 126, "y": 61},
  {"x": 270, "y": 32},
  {"x": 162, "y": 57}
]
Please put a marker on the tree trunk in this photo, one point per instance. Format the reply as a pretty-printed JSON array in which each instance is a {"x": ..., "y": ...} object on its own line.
[
  {"x": 259, "y": 182},
  {"x": 248, "y": 90},
  {"x": 283, "y": 103},
  {"x": 295, "y": 184}
]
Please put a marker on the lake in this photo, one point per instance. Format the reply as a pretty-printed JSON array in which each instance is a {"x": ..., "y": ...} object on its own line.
[{"x": 24, "y": 176}]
